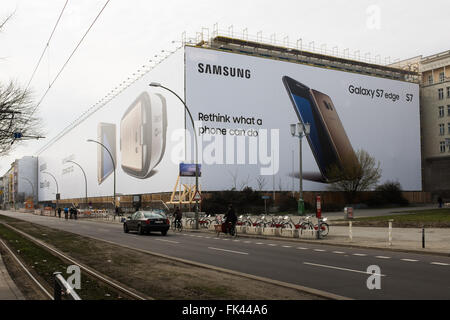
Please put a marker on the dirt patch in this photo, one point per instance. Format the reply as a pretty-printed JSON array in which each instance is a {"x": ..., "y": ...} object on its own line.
[{"x": 158, "y": 277}]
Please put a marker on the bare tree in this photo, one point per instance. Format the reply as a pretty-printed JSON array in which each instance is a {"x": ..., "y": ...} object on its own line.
[
  {"x": 245, "y": 183},
  {"x": 261, "y": 181},
  {"x": 234, "y": 177},
  {"x": 355, "y": 177},
  {"x": 17, "y": 120},
  {"x": 16, "y": 117}
]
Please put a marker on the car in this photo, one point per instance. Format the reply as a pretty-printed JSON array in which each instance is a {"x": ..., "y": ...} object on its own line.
[{"x": 146, "y": 222}]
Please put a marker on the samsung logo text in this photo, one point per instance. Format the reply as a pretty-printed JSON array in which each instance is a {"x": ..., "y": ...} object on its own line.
[{"x": 225, "y": 71}]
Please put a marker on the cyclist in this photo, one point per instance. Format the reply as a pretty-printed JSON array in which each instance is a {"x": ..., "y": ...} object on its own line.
[
  {"x": 230, "y": 218},
  {"x": 177, "y": 215}
]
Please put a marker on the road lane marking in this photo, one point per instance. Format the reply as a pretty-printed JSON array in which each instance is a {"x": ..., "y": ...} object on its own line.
[
  {"x": 382, "y": 257},
  {"x": 338, "y": 252},
  {"x": 440, "y": 263},
  {"x": 225, "y": 239},
  {"x": 237, "y": 240},
  {"x": 319, "y": 250},
  {"x": 166, "y": 241},
  {"x": 199, "y": 236},
  {"x": 409, "y": 260},
  {"x": 301, "y": 248},
  {"x": 247, "y": 242},
  {"x": 287, "y": 246},
  {"x": 259, "y": 243},
  {"x": 238, "y": 252},
  {"x": 343, "y": 269},
  {"x": 360, "y": 254},
  {"x": 272, "y": 245}
]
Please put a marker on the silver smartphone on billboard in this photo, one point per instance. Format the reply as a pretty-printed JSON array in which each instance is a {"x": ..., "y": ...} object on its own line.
[
  {"x": 106, "y": 134},
  {"x": 143, "y": 135}
]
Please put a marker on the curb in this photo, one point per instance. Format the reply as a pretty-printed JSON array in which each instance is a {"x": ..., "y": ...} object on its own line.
[{"x": 9, "y": 282}]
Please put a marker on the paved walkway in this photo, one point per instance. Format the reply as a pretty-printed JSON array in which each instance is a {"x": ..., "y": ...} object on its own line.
[{"x": 8, "y": 289}]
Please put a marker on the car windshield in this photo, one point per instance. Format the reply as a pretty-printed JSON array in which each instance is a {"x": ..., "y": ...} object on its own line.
[{"x": 153, "y": 215}]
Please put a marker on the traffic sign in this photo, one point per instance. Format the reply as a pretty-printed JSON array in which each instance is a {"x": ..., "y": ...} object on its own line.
[{"x": 197, "y": 196}]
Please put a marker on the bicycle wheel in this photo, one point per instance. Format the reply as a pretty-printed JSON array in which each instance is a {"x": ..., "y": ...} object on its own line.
[
  {"x": 179, "y": 226},
  {"x": 324, "y": 229}
]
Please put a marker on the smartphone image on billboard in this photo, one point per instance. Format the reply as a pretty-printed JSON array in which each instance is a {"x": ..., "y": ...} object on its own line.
[
  {"x": 328, "y": 141},
  {"x": 106, "y": 134},
  {"x": 143, "y": 135},
  {"x": 335, "y": 129}
]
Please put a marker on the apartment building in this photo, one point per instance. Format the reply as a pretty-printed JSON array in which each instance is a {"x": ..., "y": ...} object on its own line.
[{"x": 435, "y": 122}]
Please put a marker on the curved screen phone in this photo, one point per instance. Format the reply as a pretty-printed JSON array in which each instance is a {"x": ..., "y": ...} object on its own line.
[
  {"x": 106, "y": 134},
  {"x": 319, "y": 138},
  {"x": 335, "y": 129},
  {"x": 143, "y": 135}
]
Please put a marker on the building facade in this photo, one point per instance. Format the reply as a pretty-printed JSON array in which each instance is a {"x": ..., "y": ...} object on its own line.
[
  {"x": 20, "y": 183},
  {"x": 435, "y": 123}
]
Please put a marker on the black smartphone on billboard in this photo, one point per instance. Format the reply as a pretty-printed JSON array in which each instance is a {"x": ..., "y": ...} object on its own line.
[
  {"x": 319, "y": 138},
  {"x": 106, "y": 134}
]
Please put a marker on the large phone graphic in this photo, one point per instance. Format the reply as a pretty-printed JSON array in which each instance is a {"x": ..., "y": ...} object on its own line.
[
  {"x": 328, "y": 141},
  {"x": 106, "y": 134},
  {"x": 143, "y": 135}
]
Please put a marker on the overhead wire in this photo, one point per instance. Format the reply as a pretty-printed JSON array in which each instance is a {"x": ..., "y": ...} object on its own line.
[{"x": 68, "y": 59}]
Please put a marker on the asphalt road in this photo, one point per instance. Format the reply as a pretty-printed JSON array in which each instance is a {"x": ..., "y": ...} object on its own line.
[{"x": 339, "y": 270}]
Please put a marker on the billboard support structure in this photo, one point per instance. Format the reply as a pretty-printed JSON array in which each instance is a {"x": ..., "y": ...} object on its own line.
[{"x": 184, "y": 193}]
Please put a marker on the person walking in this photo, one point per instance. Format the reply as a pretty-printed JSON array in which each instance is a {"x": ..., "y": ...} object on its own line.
[
  {"x": 440, "y": 202},
  {"x": 66, "y": 213},
  {"x": 59, "y": 212}
]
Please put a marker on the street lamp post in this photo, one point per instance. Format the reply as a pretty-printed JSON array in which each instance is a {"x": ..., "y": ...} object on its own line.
[
  {"x": 85, "y": 180},
  {"x": 299, "y": 130},
  {"x": 57, "y": 188},
  {"x": 114, "y": 166},
  {"x": 158, "y": 85}
]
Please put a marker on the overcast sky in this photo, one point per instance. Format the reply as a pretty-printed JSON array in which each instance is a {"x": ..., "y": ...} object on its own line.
[{"x": 130, "y": 33}]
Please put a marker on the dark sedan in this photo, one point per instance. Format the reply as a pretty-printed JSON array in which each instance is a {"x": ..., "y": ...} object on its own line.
[{"x": 147, "y": 221}]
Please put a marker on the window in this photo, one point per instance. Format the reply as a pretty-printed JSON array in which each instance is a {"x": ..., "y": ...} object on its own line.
[
  {"x": 448, "y": 110},
  {"x": 441, "y": 94},
  {"x": 441, "y": 129},
  {"x": 441, "y": 111},
  {"x": 441, "y": 77},
  {"x": 430, "y": 79},
  {"x": 442, "y": 146},
  {"x": 448, "y": 127},
  {"x": 448, "y": 92}
]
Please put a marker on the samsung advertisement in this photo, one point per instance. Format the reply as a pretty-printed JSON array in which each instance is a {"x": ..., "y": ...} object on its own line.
[{"x": 242, "y": 107}]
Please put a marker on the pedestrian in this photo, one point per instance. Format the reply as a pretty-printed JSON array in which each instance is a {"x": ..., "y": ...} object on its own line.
[
  {"x": 75, "y": 213},
  {"x": 440, "y": 202},
  {"x": 66, "y": 213},
  {"x": 230, "y": 219},
  {"x": 59, "y": 212}
]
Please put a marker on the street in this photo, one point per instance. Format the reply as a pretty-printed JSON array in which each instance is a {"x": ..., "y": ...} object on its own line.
[{"x": 338, "y": 270}]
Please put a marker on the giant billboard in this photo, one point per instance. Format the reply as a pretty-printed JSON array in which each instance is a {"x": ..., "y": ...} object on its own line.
[{"x": 243, "y": 107}]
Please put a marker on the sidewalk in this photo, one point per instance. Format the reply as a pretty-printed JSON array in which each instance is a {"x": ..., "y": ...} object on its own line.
[{"x": 8, "y": 289}]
